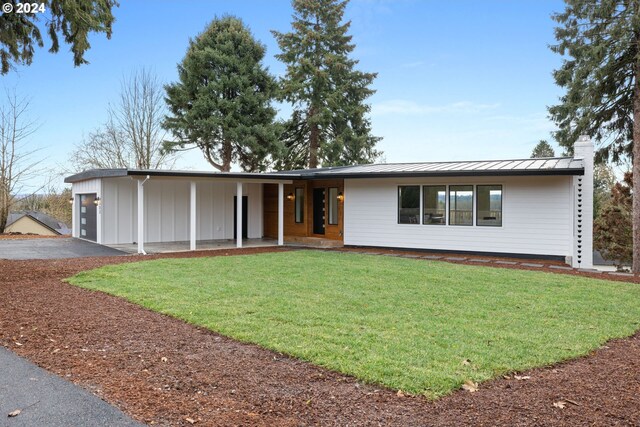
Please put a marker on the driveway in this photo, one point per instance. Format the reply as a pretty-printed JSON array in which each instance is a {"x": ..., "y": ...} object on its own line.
[
  {"x": 53, "y": 249},
  {"x": 44, "y": 399}
]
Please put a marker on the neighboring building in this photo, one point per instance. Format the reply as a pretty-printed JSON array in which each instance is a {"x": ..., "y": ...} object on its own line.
[
  {"x": 529, "y": 207},
  {"x": 32, "y": 222}
]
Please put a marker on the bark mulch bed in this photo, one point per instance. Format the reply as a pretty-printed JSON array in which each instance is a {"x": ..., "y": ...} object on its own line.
[{"x": 163, "y": 371}]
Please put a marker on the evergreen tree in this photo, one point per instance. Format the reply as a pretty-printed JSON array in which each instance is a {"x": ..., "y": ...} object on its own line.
[
  {"x": 222, "y": 101},
  {"x": 600, "y": 40},
  {"x": 542, "y": 149},
  {"x": 74, "y": 20},
  {"x": 612, "y": 229},
  {"x": 329, "y": 125}
]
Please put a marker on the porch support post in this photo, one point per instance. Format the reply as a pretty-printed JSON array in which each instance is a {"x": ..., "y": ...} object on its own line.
[
  {"x": 239, "y": 215},
  {"x": 141, "y": 217},
  {"x": 280, "y": 214},
  {"x": 192, "y": 219}
]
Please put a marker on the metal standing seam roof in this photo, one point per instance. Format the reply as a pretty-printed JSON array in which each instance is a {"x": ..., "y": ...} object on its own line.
[{"x": 541, "y": 166}]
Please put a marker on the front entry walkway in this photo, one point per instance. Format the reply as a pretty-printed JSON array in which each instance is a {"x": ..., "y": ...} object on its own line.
[{"x": 201, "y": 245}]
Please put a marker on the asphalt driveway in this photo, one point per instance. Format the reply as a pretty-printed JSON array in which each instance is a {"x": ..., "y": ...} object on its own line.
[{"x": 53, "y": 249}]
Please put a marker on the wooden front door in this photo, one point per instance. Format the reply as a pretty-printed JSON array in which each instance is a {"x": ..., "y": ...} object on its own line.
[{"x": 319, "y": 198}]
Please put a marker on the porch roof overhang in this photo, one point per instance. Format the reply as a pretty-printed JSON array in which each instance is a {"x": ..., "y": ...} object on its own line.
[{"x": 143, "y": 173}]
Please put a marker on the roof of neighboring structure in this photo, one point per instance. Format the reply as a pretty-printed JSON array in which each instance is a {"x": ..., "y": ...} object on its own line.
[
  {"x": 44, "y": 219},
  {"x": 539, "y": 166}
]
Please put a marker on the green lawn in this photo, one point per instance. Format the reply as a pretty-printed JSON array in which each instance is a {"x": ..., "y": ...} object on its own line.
[{"x": 404, "y": 323}]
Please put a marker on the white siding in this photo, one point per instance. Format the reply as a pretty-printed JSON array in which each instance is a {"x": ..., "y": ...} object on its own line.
[
  {"x": 86, "y": 187},
  {"x": 537, "y": 217},
  {"x": 167, "y": 210}
]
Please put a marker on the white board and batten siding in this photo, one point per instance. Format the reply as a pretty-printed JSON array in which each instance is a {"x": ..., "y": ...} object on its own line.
[
  {"x": 167, "y": 210},
  {"x": 537, "y": 217}
]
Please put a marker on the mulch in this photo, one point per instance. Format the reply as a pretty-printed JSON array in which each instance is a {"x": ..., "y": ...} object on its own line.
[{"x": 163, "y": 371}]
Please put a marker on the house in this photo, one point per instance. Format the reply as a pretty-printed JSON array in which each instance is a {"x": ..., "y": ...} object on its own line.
[
  {"x": 526, "y": 207},
  {"x": 33, "y": 222}
]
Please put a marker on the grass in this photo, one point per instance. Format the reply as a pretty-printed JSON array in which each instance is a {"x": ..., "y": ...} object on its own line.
[{"x": 404, "y": 323}]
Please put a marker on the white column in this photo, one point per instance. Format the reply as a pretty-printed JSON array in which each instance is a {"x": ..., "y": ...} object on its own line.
[
  {"x": 141, "y": 217},
  {"x": 281, "y": 214},
  {"x": 239, "y": 215},
  {"x": 193, "y": 218},
  {"x": 583, "y": 206}
]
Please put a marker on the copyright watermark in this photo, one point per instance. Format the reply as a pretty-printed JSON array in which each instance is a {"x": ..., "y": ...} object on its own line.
[{"x": 24, "y": 8}]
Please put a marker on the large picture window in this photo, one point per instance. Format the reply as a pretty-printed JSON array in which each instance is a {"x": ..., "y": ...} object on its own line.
[
  {"x": 461, "y": 205},
  {"x": 409, "y": 204},
  {"x": 299, "y": 200},
  {"x": 333, "y": 206},
  {"x": 489, "y": 205},
  {"x": 434, "y": 200}
]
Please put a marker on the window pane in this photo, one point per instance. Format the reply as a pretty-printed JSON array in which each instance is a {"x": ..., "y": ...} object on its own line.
[
  {"x": 333, "y": 206},
  {"x": 409, "y": 204},
  {"x": 461, "y": 205},
  {"x": 489, "y": 209},
  {"x": 299, "y": 205},
  {"x": 434, "y": 201}
]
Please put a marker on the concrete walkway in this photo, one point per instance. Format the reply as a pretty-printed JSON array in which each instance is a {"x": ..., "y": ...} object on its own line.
[{"x": 45, "y": 399}]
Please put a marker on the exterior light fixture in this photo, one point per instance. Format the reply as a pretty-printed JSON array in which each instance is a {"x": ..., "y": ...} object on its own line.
[
  {"x": 290, "y": 196},
  {"x": 71, "y": 200},
  {"x": 341, "y": 196},
  {"x": 96, "y": 201}
]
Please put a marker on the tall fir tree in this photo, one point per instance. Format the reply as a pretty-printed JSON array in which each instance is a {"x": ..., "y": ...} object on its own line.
[
  {"x": 600, "y": 40},
  {"x": 542, "y": 149},
  {"x": 329, "y": 125},
  {"x": 222, "y": 101}
]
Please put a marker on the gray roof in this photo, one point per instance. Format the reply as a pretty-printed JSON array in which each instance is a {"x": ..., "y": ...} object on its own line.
[
  {"x": 44, "y": 219},
  {"x": 539, "y": 166}
]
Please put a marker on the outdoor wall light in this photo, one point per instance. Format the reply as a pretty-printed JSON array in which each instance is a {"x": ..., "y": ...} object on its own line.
[
  {"x": 71, "y": 201},
  {"x": 96, "y": 201},
  {"x": 341, "y": 196},
  {"x": 290, "y": 196}
]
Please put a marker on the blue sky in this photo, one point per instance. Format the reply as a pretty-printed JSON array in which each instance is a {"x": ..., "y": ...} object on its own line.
[{"x": 457, "y": 79}]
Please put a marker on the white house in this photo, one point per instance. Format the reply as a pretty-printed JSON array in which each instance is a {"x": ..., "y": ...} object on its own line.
[{"x": 528, "y": 207}]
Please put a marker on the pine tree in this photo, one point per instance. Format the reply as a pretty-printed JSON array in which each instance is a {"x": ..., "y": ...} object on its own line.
[
  {"x": 222, "y": 101},
  {"x": 600, "y": 40},
  {"x": 542, "y": 149},
  {"x": 329, "y": 125}
]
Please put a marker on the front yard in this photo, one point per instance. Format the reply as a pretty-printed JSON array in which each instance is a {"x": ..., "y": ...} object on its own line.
[{"x": 414, "y": 325}]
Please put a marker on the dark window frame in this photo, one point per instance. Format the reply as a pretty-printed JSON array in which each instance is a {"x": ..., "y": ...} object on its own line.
[
  {"x": 298, "y": 203},
  {"x": 473, "y": 200},
  {"x": 501, "y": 205},
  {"x": 398, "y": 205},
  {"x": 423, "y": 210}
]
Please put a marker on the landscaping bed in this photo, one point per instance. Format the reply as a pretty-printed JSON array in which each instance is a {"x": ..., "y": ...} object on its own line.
[{"x": 162, "y": 370}]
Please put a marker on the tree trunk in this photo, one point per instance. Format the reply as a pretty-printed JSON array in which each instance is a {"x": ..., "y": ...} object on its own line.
[
  {"x": 636, "y": 172},
  {"x": 226, "y": 156},
  {"x": 314, "y": 136}
]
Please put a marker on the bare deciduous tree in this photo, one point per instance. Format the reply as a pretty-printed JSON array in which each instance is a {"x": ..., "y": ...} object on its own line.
[
  {"x": 132, "y": 137},
  {"x": 17, "y": 164}
]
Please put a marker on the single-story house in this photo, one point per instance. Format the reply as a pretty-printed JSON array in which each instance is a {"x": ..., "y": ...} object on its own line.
[
  {"x": 33, "y": 222},
  {"x": 526, "y": 207}
]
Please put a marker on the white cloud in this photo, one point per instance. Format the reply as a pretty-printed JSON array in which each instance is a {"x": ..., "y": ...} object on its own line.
[{"x": 411, "y": 108}]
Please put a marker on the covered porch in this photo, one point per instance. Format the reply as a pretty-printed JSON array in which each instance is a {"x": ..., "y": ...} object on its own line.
[{"x": 201, "y": 245}]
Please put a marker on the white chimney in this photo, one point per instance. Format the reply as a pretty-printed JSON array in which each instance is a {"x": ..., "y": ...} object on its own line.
[{"x": 583, "y": 205}]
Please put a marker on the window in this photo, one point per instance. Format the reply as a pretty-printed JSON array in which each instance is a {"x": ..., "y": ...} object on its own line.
[
  {"x": 434, "y": 199},
  {"x": 333, "y": 206},
  {"x": 461, "y": 205},
  {"x": 409, "y": 204},
  {"x": 489, "y": 207},
  {"x": 299, "y": 200}
]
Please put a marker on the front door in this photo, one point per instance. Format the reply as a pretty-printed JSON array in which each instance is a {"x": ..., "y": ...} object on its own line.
[
  {"x": 88, "y": 217},
  {"x": 245, "y": 217},
  {"x": 318, "y": 210}
]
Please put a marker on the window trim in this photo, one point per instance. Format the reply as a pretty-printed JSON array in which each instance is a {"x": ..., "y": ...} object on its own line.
[
  {"x": 501, "y": 205},
  {"x": 295, "y": 207},
  {"x": 473, "y": 204},
  {"x": 446, "y": 197},
  {"x": 399, "y": 199}
]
